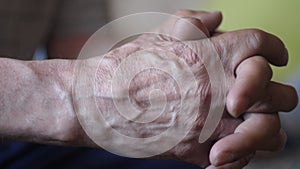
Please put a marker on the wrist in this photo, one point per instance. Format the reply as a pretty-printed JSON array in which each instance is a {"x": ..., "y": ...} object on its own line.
[
  {"x": 36, "y": 102},
  {"x": 68, "y": 130}
]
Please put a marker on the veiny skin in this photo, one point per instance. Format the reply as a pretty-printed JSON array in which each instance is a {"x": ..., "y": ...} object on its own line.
[
  {"x": 233, "y": 48},
  {"x": 47, "y": 114}
]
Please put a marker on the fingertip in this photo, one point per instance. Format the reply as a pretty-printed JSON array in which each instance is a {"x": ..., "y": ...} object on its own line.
[
  {"x": 212, "y": 20},
  {"x": 213, "y": 155},
  {"x": 220, "y": 154},
  {"x": 294, "y": 98},
  {"x": 217, "y": 15},
  {"x": 284, "y": 97}
]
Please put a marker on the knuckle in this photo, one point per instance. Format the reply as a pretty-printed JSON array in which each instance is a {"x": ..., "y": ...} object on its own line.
[
  {"x": 256, "y": 38},
  {"x": 188, "y": 52},
  {"x": 262, "y": 63}
]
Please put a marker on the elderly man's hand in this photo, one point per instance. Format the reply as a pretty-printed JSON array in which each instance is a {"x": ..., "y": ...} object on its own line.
[
  {"x": 245, "y": 56},
  {"x": 251, "y": 89}
]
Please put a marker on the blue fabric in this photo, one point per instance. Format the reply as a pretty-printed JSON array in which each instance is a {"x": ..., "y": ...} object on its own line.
[{"x": 24, "y": 155}]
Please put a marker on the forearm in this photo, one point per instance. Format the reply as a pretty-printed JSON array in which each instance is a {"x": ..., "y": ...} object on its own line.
[{"x": 35, "y": 102}]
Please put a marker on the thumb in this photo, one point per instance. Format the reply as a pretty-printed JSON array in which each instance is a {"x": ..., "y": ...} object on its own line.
[
  {"x": 188, "y": 28},
  {"x": 211, "y": 20},
  {"x": 197, "y": 26}
]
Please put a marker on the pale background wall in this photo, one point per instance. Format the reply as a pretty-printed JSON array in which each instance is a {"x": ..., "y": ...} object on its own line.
[
  {"x": 124, "y": 7},
  {"x": 120, "y": 8}
]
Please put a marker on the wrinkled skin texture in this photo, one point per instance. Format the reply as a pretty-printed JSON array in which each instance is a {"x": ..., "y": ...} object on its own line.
[
  {"x": 47, "y": 115},
  {"x": 189, "y": 149},
  {"x": 235, "y": 140}
]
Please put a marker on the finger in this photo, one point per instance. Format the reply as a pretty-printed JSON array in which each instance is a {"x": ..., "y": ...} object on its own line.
[
  {"x": 189, "y": 29},
  {"x": 252, "y": 78},
  {"x": 277, "y": 143},
  {"x": 263, "y": 131},
  {"x": 238, "y": 164},
  {"x": 211, "y": 20},
  {"x": 278, "y": 97},
  {"x": 223, "y": 129},
  {"x": 188, "y": 25},
  {"x": 236, "y": 46},
  {"x": 253, "y": 134}
]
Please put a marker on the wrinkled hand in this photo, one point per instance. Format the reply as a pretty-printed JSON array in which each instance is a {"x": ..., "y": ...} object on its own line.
[{"x": 245, "y": 55}]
